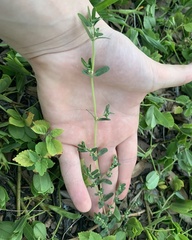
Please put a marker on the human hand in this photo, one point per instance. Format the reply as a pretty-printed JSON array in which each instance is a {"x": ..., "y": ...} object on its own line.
[
  {"x": 50, "y": 35},
  {"x": 66, "y": 101}
]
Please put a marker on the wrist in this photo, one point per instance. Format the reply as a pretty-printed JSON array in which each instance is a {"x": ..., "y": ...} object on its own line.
[{"x": 42, "y": 27}]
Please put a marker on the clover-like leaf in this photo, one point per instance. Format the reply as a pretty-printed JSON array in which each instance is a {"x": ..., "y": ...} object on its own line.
[
  {"x": 152, "y": 180},
  {"x": 39, "y": 230}
]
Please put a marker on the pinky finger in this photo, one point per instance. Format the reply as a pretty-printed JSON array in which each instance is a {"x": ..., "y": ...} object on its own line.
[{"x": 127, "y": 155}]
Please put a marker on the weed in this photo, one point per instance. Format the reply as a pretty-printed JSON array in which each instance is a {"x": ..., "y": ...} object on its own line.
[{"x": 158, "y": 205}]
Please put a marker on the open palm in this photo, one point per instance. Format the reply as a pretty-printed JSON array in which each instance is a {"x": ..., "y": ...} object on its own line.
[{"x": 66, "y": 101}]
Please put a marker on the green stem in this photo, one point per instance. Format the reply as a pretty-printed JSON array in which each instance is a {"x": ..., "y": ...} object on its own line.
[
  {"x": 94, "y": 97},
  {"x": 18, "y": 194},
  {"x": 93, "y": 92}
]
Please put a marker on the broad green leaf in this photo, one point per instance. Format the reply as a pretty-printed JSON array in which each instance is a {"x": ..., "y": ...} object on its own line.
[
  {"x": 104, "y": 4},
  {"x": 188, "y": 111},
  {"x": 6, "y": 230},
  {"x": 40, "y": 127},
  {"x": 56, "y": 132},
  {"x": 110, "y": 238},
  {"x": 20, "y": 224},
  {"x": 181, "y": 206},
  {"x": 84, "y": 235},
  {"x": 5, "y": 82},
  {"x": 153, "y": 42},
  {"x": 188, "y": 27},
  {"x": 150, "y": 117},
  {"x": 152, "y": 180},
  {"x": 164, "y": 118},
  {"x": 34, "y": 157},
  {"x": 40, "y": 231},
  {"x": 17, "y": 122},
  {"x": 5, "y": 99},
  {"x": 28, "y": 232},
  {"x": 29, "y": 132},
  {"x": 13, "y": 113},
  {"x": 41, "y": 166},
  {"x": 50, "y": 163},
  {"x": 120, "y": 235},
  {"x": 23, "y": 158},
  {"x": 117, "y": 214},
  {"x": 43, "y": 184},
  {"x": 41, "y": 149},
  {"x": 54, "y": 146},
  {"x": 101, "y": 71},
  {"x": 187, "y": 88},
  {"x": 187, "y": 129},
  {"x": 3, "y": 197},
  {"x": 89, "y": 235},
  {"x": 185, "y": 160},
  {"x": 183, "y": 99},
  {"x": 134, "y": 227},
  {"x": 64, "y": 213}
]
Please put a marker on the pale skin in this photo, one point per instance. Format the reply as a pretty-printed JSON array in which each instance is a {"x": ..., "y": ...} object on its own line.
[{"x": 65, "y": 93}]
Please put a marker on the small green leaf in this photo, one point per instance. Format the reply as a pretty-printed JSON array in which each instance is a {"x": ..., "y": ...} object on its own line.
[
  {"x": 106, "y": 181},
  {"x": 120, "y": 235},
  {"x": 41, "y": 166},
  {"x": 3, "y": 197},
  {"x": 5, "y": 99},
  {"x": 6, "y": 230},
  {"x": 16, "y": 122},
  {"x": 28, "y": 232},
  {"x": 106, "y": 197},
  {"x": 104, "y": 4},
  {"x": 188, "y": 27},
  {"x": 41, "y": 149},
  {"x": 64, "y": 213},
  {"x": 89, "y": 235},
  {"x": 102, "y": 151},
  {"x": 43, "y": 184},
  {"x": 54, "y": 146},
  {"x": 134, "y": 227},
  {"x": 183, "y": 99},
  {"x": 111, "y": 237},
  {"x": 181, "y": 206},
  {"x": 40, "y": 231},
  {"x": 40, "y": 127},
  {"x": 87, "y": 24},
  {"x": 177, "y": 184},
  {"x": 34, "y": 157},
  {"x": 5, "y": 82},
  {"x": 20, "y": 224},
  {"x": 101, "y": 71},
  {"x": 150, "y": 117},
  {"x": 23, "y": 158},
  {"x": 56, "y": 132},
  {"x": 152, "y": 180}
]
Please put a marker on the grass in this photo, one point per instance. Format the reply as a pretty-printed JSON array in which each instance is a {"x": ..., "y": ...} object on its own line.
[{"x": 159, "y": 204}]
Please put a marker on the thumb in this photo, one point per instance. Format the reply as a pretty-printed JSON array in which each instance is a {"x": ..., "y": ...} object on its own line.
[{"x": 172, "y": 75}]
